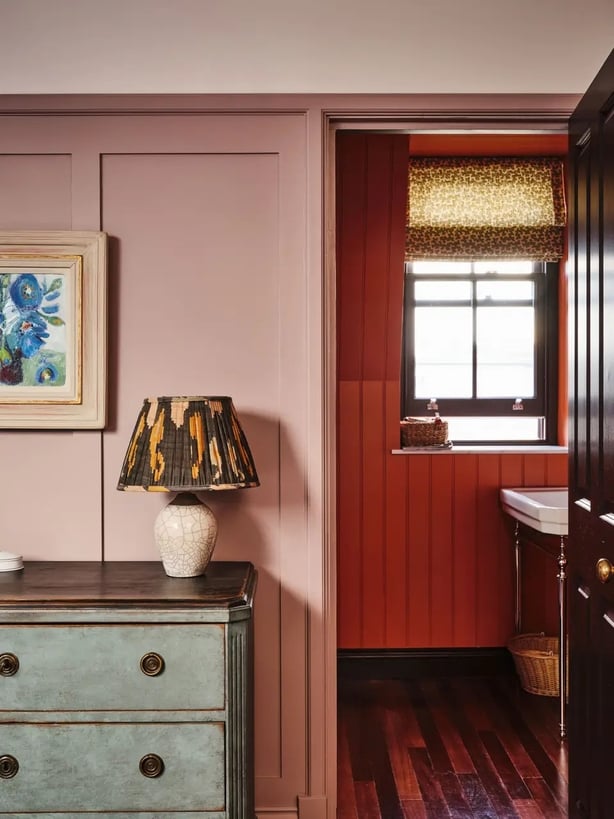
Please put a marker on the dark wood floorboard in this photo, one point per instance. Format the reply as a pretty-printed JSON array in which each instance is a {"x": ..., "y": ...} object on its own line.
[{"x": 449, "y": 748}]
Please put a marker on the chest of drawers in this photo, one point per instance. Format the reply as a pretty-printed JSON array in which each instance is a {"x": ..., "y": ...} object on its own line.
[{"x": 126, "y": 693}]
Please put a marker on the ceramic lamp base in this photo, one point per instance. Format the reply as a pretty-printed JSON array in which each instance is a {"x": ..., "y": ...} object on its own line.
[{"x": 185, "y": 532}]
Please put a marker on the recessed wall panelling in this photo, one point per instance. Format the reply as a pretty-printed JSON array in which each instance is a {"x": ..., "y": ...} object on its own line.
[
  {"x": 43, "y": 513},
  {"x": 425, "y": 555},
  {"x": 207, "y": 225},
  {"x": 196, "y": 272},
  {"x": 35, "y": 192}
]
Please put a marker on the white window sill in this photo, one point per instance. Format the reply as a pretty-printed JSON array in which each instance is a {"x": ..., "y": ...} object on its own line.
[{"x": 483, "y": 449}]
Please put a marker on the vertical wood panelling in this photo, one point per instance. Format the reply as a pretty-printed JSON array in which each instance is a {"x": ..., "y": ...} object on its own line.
[
  {"x": 349, "y": 502},
  {"x": 556, "y": 470},
  {"x": 418, "y": 506},
  {"x": 492, "y": 579},
  {"x": 377, "y": 257},
  {"x": 534, "y": 470},
  {"x": 351, "y": 237},
  {"x": 442, "y": 556},
  {"x": 465, "y": 550},
  {"x": 373, "y": 504},
  {"x": 425, "y": 554},
  {"x": 395, "y": 541}
]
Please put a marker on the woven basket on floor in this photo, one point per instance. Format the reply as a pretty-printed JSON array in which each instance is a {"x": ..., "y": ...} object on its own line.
[
  {"x": 536, "y": 658},
  {"x": 423, "y": 432}
]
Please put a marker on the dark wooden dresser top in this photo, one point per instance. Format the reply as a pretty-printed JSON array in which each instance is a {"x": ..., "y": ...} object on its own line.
[{"x": 125, "y": 583}]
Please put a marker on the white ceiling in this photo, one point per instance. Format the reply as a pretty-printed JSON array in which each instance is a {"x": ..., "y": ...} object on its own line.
[{"x": 303, "y": 46}]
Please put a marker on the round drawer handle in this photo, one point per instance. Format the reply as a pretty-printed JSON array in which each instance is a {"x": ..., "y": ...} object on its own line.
[
  {"x": 151, "y": 765},
  {"x": 8, "y": 766},
  {"x": 9, "y": 665},
  {"x": 152, "y": 664}
]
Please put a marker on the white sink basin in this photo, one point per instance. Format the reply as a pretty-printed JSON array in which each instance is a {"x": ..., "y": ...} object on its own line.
[{"x": 543, "y": 508}]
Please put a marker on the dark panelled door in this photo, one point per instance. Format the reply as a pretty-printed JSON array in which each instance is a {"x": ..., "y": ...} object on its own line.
[{"x": 591, "y": 476}]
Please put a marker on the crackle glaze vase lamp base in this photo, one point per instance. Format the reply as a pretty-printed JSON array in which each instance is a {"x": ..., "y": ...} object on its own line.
[{"x": 187, "y": 444}]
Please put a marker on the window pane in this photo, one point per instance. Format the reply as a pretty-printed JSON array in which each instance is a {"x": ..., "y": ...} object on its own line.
[
  {"x": 442, "y": 291},
  {"x": 495, "y": 429},
  {"x": 505, "y": 291},
  {"x": 441, "y": 268},
  {"x": 443, "y": 352},
  {"x": 507, "y": 268},
  {"x": 505, "y": 352}
]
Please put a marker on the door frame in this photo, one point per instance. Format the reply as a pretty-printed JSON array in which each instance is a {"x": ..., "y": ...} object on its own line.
[{"x": 454, "y": 113}]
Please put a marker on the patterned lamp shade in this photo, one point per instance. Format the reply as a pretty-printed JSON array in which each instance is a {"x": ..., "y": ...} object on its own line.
[{"x": 187, "y": 444}]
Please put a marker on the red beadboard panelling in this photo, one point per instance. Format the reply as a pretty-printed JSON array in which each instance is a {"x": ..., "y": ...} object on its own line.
[
  {"x": 349, "y": 503},
  {"x": 398, "y": 201},
  {"x": 351, "y": 237},
  {"x": 492, "y": 579},
  {"x": 465, "y": 518},
  {"x": 373, "y": 504},
  {"x": 425, "y": 554},
  {"x": 377, "y": 254},
  {"x": 556, "y": 470},
  {"x": 442, "y": 552},
  {"x": 395, "y": 535},
  {"x": 534, "y": 470},
  {"x": 419, "y": 590}
]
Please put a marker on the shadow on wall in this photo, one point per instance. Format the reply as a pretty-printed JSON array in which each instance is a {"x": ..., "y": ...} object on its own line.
[{"x": 267, "y": 525}]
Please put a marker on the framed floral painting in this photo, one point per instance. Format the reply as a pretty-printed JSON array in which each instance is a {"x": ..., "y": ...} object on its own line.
[{"x": 53, "y": 329}]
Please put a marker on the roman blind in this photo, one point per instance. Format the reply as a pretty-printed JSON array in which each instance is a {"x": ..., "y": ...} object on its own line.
[{"x": 485, "y": 207}]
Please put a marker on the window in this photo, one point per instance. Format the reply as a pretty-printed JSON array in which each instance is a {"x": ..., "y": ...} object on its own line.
[
  {"x": 480, "y": 348},
  {"x": 484, "y": 236}
]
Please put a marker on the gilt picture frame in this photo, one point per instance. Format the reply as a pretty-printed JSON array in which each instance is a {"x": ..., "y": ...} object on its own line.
[{"x": 53, "y": 329}]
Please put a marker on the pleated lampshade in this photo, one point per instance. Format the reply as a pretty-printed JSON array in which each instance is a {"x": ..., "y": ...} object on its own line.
[{"x": 187, "y": 444}]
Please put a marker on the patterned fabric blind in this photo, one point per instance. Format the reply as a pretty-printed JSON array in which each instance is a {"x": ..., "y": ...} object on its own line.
[{"x": 479, "y": 208}]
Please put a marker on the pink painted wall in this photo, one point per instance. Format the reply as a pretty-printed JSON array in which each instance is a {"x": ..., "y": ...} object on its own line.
[{"x": 208, "y": 236}]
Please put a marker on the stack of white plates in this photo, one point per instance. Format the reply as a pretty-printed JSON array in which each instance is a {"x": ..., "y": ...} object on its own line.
[{"x": 10, "y": 562}]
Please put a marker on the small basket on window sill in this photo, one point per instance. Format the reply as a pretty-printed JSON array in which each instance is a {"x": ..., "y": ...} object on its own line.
[{"x": 422, "y": 432}]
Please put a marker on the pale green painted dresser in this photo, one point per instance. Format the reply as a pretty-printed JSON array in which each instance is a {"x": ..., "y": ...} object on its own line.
[{"x": 126, "y": 693}]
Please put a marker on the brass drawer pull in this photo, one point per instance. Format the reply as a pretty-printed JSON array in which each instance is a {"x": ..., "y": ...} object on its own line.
[
  {"x": 9, "y": 665},
  {"x": 8, "y": 766},
  {"x": 151, "y": 765},
  {"x": 152, "y": 664}
]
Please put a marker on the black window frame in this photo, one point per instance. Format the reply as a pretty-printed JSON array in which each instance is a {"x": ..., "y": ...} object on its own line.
[{"x": 545, "y": 275}]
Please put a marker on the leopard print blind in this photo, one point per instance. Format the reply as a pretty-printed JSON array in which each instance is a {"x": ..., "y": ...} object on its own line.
[{"x": 479, "y": 208}]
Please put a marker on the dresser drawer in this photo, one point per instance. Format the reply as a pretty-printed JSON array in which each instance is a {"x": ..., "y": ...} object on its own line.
[
  {"x": 74, "y": 668},
  {"x": 97, "y": 767}
]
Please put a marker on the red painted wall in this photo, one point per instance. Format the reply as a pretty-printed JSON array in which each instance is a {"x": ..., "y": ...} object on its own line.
[{"x": 425, "y": 555}]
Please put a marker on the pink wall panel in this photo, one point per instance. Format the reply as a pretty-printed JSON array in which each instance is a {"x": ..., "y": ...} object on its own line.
[
  {"x": 196, "y": 253},
  {"x": 48, "y": 510},
  {"x": 207, "y": 223},
  {"x": 35, "y": 192}
]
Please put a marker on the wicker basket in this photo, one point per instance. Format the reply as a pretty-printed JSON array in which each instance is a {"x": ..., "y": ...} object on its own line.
[
  {"x": 536, "y": 658},
  {"x": 423, "y": 432}
]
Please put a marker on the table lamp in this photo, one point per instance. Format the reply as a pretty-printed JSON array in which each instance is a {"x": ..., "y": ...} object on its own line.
[{"x": 187, "y": 444}]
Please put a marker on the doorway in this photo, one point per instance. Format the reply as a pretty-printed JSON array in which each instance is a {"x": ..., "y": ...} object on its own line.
[{"x": 445, "y": 589}]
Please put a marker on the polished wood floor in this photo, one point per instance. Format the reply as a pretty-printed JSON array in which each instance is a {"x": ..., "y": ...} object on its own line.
[{"x": 449, "y": 747}]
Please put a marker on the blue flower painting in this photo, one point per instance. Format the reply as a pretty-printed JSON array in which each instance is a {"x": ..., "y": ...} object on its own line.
[{"x": 32, "y": 330}]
